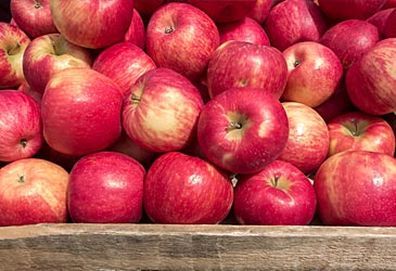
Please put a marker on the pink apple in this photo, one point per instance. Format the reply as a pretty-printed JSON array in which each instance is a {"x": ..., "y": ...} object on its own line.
[
  {"x": 315, "y": 72},
  {"x": 280, "y": 194},
  {"x": 379, "y": 20},
  {"x": 13, "y": 43},
  {"x": 350, "y": 39},
  {"x": 81, "y": 111},
  {"x": 309, "y": 140},
  {"x": 237, "y": 64},
  {"x": 390, "y": 4},
  {"x": 351, "y": 9},
  {"x": 182, "y": 189},
  {"x": 357, "y": 131},
  {"x": 371, "y": 80},
  {"x": 50, "y": 54},
  {"x": 357, "y": 188},
  {"x": 242, "y": 130},
  {"x": 246, "y": 29},
  {"x": 293, "y": 21},
  {"x": 33, "y": 17},
  {"x": 136, "y": 32},
  {"x": 32, "y": 191},
  {"x": 21, "y": 126},
  {"x": 92, "y": 24},
  {"x": 390, "y": 25},
  {"x": 260, "y": 10},
  {"x": 147, "y": 7},
  {"x": 161, "y": 111},
  {"x": 124, "y": 63}
]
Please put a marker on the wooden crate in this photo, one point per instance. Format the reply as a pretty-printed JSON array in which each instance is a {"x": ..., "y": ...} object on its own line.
[{"x": 199, "y": 247}]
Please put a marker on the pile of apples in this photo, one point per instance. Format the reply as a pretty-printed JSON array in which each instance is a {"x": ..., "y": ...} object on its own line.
[{"x": 193, "y": 111}]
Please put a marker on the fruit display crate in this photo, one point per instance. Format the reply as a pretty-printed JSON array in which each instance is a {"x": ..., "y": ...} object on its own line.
[{"x": 195, "y": 247}]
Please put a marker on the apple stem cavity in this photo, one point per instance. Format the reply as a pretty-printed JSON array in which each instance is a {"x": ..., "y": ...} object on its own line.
[
  {"x": 275, "y": 181},
  {"x": 21, "y": 179},
  {"x": 296, "y": 63},
  {"x": 23, "y": 142},
  {"x": 14, "y": 50},
  {"x": 169, "y": 29}
]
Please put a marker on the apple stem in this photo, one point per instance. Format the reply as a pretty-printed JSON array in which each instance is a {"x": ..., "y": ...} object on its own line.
[
  {"x": 275, "y": 180},
  {"x": 296, "y": 63},
  {"x": 236, "y": 125},
  {"x": 14, "y": 50},
  {"x": 135, "y": 99},
  {"x": 169, "y": 29},
  {"x": 21, "y": 179},
  {"x": 23, "y": 142},
  {"x": 37, "y": 4}
]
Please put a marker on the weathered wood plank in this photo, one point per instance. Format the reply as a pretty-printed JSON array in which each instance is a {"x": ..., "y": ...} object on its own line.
[{"x": 203, "y": 247}]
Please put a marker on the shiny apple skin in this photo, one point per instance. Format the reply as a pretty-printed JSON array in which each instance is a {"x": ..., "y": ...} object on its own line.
[
  {"x": 136, "y": 32},
  {"x": 261, "y": 10},
  {"x": 357, "y": 188},
  {"x": 182, "y": 189},
  {"x": 379, "y": 20},
  {"x": 390, "y": 4},
  {"x": 259, "y": 201},
  {"x": 351, "y": 9},
  {"x": 32, "y": 191},
  {"x": 390, "y": 25}
]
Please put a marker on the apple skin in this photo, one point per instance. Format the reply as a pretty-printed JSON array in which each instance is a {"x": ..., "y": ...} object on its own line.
[
  {"x": 124, "y": 63},
  {"x": 100, "y": 23},
  {"x": 379, "y": 20},
  {"x": 356, "y": 131},
  {"x": 50, "y": 54},
  {"x": 106, "y": 187},
  {"x": 390, "y": 4},
  {"x": 32, "y": 191},
  {"x": 21, "y": 129},
  {"x": 242, "y": 130},
  {"x": 351, "y": 9},
  {"x": 238, "y": 64},
  {"x": 182, "y": 189},
  {"x": 161, "y": 111},
  {"x": 81, "y": 111},
  {"x": 136, "y": 32},
  {"x": 315, "y": 72},
  {"x": 147, "y": 7},
  {"x": 293, "y": 21},
  {"x": 308, "y": 142},
  {"x": 186, "y": 48},
  {"x": 28, "y": 90},
  {"x": 247, "y": 30},
  {"x": 261, "y": 10},
  {"x": 13, "y": 43},
  {"x": 33, "y": 17},
  {"x": 371, "y": 81},
  {"x": 280, "y": 194},
  {"x": 390, "y": 26},
  {"x": 357, "y": 188},
  {"x": 350, "y": 39}
]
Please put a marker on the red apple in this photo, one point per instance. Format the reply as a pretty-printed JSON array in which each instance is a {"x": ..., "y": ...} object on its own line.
[
  {"x": 390, "y": 4},
  {"x": 351, "y": 9},
  {"x": 136, "y": 32},
  {"x": 106, "y": 187},
  {"x": 309, "y": 140},
  {"x": 182, "y": 189},
  {"x": 50, "y": 54},
  {"x": 315, "y": 72},
  {"x": 36, "y": 95},
  {"x": 357, "y": 188},
  {"x": 357, "y": 131},
  {"x": 237, "y": 64},
  {"x": 147, "y": 7},
  {"x": 350, "y": 39},
  {"x": 21, "y": 126},
  {"x": 161, "y": 111},
  {"x": 246, "y": 29},
  {"x": 390, "y": 25},
  {"x": 81, "y": 111},
  {"x": 13, "y": 43},
  {"x": 92, "y": 24},
  {"x": 32, "y": 191},
  {"x": 293, "y": 21},
  {"x": 371, "y": 81},
  {"x": 379, "y": 20},
  {"x": 280, "y": 194},
  {"x": 124, "y": 63},
  {"x": 33, "y": 17},
  {"x": 181, "y": 37},
  {"x": 260, "y": 10},
  {"x": 242, "y": 130}
]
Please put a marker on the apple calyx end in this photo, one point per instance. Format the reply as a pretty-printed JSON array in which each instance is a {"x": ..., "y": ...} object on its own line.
[
  {"x": 23, "y": 142},
  {"x": 37, "y": 4},
  {"x": 21, "y": 179},
  {"x": 169, "y": 29}
]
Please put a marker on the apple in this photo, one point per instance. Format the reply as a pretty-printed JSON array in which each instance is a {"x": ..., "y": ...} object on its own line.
[
  {"x": 32, "y": 191},
  {"x": 390, "y": 25},
  {"x": 100, "y": 23},
  {"x": 315, "y": 72},
  {"x": 36, "y": 95},
  {"x": 33, "y": 17},
  {"x": 181, "y": 37},
  {"x": 357, "y": 188},
  {"x": 50, "y": 54},
  {"x": 124, "y": 63},
  {"x": 260, "y": 10},
  {"x": 242, "y": 130},
  {"x": 379, "y": 20},
  {"x": 13, "y": 43},
  {"x": 280, "y": 194},
  {"x": 357, "y": 131},
  {"x": 21, "y": 126},
  {"x": 293, "y": 21},
  {"x": 81, "y": 111},
  {"x": 308, "y": 142},
  {"x": 371, "y": 80},
  {"x": 182, "y": 189},
  {"x": 390, "y": 4},
  {"x": 246, "y": 29},
  {"x": 351, "y": 9},
  {"x": 136, "y": 32},
  {"x": 238, "y": 64},
  {"x": 350, "y": 39},
  {"x": 147, "y": 7}
]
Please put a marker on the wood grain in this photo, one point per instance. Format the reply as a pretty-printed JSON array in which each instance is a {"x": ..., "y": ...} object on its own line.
[{"x": 203, "y": 247}]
